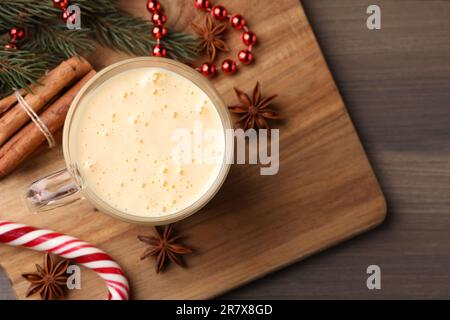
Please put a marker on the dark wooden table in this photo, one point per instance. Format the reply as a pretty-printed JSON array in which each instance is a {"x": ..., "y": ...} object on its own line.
[{"x": 396, "y": 84}]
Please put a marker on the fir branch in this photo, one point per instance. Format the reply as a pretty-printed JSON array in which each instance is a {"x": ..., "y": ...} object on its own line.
[
  {"x": 48, "y": 41},
  {"x": 106, "y": 24},
  {"x": 59, "y": 41},
  {"x": 27, "y": 12},
  {"x": 181, "y": 45},
  {"x": 97, "y": 7},
  {"x": 121, "y": 31},
  {"x": 19, "y": 69}
]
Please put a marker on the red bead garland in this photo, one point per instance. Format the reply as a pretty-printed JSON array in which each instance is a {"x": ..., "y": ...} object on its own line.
[
  {"x": 201, "y": 4},
  {"x": 238, "y": 22},
  {"x": 159, "y": 51},
  {"x": 16, "y": 34},
  {"x": 10, "y": 46},
  {"x": 66, "y": 15},
  {"x": 61, "y": 4},
  {"x": 229, "y": 66},
  {"x": 153, "y": 6},
  {"x": 159, "y": 19},
  {"x": 245, "y": 56},
  {"x": 159, "y": 31},
  {"x": 219, "y": 12},
  {"x": 208, "y": 69},
  {"x": 249, "y": 38}
]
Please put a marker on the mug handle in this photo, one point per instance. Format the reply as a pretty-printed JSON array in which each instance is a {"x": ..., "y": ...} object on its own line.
[{"x": 53, "y": 191}]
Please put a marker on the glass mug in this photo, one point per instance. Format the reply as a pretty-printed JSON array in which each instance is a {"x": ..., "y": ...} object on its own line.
[{"x": 67, "y": 186}]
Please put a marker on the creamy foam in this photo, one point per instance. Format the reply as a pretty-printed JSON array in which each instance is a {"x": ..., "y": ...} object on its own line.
[{"x": 124, "y": 142}]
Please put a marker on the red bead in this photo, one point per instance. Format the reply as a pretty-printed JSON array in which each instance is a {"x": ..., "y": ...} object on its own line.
[
  {"x": 153, "y": 6},
  {"x": 245, "y": 56},
  {"x": 159, "y": 18},
  {"x": 66, "y": 15},
  {"x": 17, "y": 33},
  {"x": 249, "y": 38},
  {"x": 201, "y": 4},
  {"x": 61, "y": 4},
  {"x": 159, "y": 32},
  {"x": 208, "y": 69},
  {"x": 229, "y": 66},
  {"x": 159, "y": 51},
  {"x": 219, "y": 12},
  {"x": 10, "y": 46},
  {"x": 237, "y": 21}
]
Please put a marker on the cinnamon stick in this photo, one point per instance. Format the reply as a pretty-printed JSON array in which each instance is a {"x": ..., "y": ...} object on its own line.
[
  {"x": 50, "y": 85},
  {"x": 7, "y": 102},
  {"x": 30, "y": 138}
]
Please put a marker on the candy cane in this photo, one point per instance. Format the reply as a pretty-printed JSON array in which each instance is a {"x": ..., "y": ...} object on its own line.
[{"x": 71, "y": 248}]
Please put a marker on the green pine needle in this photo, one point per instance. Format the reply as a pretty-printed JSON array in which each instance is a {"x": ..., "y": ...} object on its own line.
[
  {"x": 98, "y": 6},
  {"x": 121, "y": 31},
  {"x": 19, "y": 69},
  {"x": 37, "y": 11},
  {"x": 61, "y": 41}
]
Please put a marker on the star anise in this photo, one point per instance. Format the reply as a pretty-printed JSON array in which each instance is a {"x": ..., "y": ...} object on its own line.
[
  {"x": 256, "y": 111},
  {"x": 165, "y": 247},
  {"x": 50, "y": 280},
  {"x": 212, "y": 38}
]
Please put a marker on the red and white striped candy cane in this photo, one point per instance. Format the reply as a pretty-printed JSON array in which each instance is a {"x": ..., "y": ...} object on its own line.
[{"x": 14, "y": 234}]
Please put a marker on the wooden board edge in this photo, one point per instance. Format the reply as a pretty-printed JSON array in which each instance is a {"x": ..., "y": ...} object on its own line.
[
  {"x": 383, "y": 213},
  {"x": 380, "y": 217}
]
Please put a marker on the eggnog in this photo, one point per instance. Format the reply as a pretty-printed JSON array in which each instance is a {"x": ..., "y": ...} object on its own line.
[{"x": 125, "y": 142}]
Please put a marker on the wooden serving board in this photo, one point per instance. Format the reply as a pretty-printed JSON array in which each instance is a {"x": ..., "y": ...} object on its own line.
[{"x": 324, "y": 193}]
